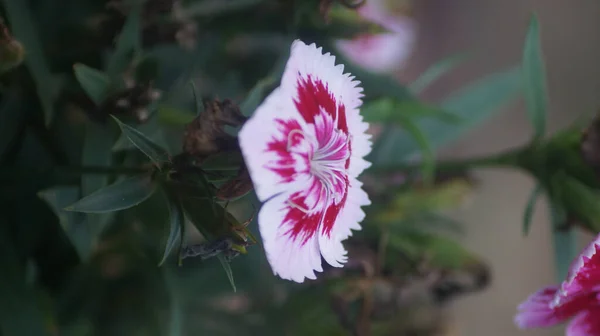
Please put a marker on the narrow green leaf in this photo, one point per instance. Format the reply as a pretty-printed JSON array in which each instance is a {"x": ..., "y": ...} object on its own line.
[
  {"x": 150, "y": 129},
  {"x": 472, "y": 105},
  {"x": 435, "y": 72},
  {"x": 534, "y": 79},
  {"x": 428, "y": 155},
  {"x": 173, "y": 116},
  {"x": 157, "y": 154},
  {"x": 20, "y": 311},
  {"x": 530, "y": 207},
  {"x": 117, "y": 196},
  {"x": 256, "y": 95},
  {"x": 211, "y": 8},
  {"x": 564, "y": 242},
  {"x": 177, "y": 225},
  {"x": 128, "y": 42},
  {"x": 11, "y": 117},
  {"x": 223, "y": 161},
  {"x": 94, "y": 82},
  {"x": 176, "y": 320},
  {"x": 227, "y": 269},
  {"x": 388, "y": 111},
  {"x": 25, "y": 30},
  {"x": 74, "y": 224}
]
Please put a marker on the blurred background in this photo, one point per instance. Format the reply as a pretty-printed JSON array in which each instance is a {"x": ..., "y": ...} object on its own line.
[{"x": 492, "y": 30}]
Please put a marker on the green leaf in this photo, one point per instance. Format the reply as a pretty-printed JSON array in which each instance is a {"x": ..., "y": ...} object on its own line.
[
  {"x": 128, "y": 42},
  {"x": 11, "y": 117},
  {"x": 20, "y": 312},
  {"x": 428, "y": 156},
  {"x": 211, "y": 8},
  {"x": 227, "y": 269},
  {"x": 256, "y": 95},
  {"x": 94, "y": 82},
  {"x": 564, "y": 242},
  {"x": 118, "y": 196},
  {"x": 74, "y": 224},
  {"x": 173, "y": 116},
  {"x": 177, "y": 227},
  {"x": 150, "y": 129},
  {"x": 534, "y": 79},
  {"x": 529, "y": 208},
  {"x": 472, "y": 105},
  {"x": 25, "y": 30},
  {"x": 435, "y": 72},
  {"x": 157, "y": 154},
  {"x": 223, "y": 161}
]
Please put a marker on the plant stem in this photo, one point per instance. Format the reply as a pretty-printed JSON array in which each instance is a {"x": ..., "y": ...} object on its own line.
[{"x": 506, "y": 159}]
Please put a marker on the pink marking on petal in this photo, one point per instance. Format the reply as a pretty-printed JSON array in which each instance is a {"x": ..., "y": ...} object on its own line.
[
  {"x": 332, "y": 213},
  {"x": 286, "y": 165},
  {"x": 537, "y": 310},
  {"x": 314, "y": 98}
]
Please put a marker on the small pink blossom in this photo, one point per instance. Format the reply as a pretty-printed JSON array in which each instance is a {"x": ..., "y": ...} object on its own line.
[
  {"x": 304, "y": 148},
  {"x": 381, "y": 52},
  {"x": 578, "y": 297}
]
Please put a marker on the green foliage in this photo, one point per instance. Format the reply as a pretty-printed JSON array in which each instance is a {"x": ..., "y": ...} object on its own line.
[
  {"x": 95, "y": 83},
  {"x": 534, "y": 79}
]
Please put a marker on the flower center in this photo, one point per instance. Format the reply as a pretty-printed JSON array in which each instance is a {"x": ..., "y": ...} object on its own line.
[{"x": 326, "y": 162}]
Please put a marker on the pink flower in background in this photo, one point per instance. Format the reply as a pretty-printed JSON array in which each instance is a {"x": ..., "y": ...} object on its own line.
[
  {"x": 578, "y": 297},
  {"x": 304, "y": 148},
  {"x": 382, "y": 52}
]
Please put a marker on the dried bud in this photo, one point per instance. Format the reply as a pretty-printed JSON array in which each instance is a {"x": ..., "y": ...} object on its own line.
[
  {"x": 12, "y": 52},
  {"x": 206, "y": 134}
]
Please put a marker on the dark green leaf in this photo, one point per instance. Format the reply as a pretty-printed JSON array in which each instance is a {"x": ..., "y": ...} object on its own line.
[
  {"x": 150, "y": 129},
  {"x": 74, "y": 224},
  {"x": 435, "y": 72},
  {"x": 24, "y": 28},
  {"x": 472, "y": 105},
  {"x": 118, "y": 196},
  {"x": 256, "y": 96},
  {"x": 20, "y": 311},
  {"x": 96, "y": 151},
  {"x": 227, "y": 269},
  {"x": 11, "y": 117},
  {"x": 534, "y": 79},
  {"x": 128, "y": 42},
  {"x": 177, "y": 226},
  {"x": 223, "y": 161},
  {"x": 528, "y": 214},
  {"x": 94, "y": 82},
  {"x": 157, "y": 154},
  {"x": 210, "y": 8}
]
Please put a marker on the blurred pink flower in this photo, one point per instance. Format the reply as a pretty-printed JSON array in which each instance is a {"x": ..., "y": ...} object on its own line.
[
  {"x": 304, "y": 148},
  {"x": 381, "y": 52},
  {"x": 578, "y": 297}
]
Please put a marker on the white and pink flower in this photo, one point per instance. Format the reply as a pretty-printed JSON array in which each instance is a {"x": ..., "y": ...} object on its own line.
[
  {"x": 381, "y": 52},
  {"x": 304, "y": 148},
  {"x": 578, "y": 297}
]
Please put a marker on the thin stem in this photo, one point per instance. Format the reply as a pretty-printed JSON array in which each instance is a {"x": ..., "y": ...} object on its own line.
[{"x": 507, "y": 159}]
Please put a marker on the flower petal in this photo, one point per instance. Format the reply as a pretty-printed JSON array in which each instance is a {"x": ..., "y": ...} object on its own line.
[
  {"x": 537, "y": 310},
  {"x": 585, "y": 323},
  {"x": 347, "y": 219},
  {"x": 289, "y": 234},
  {"x": 584, "y": 274},
  {"x": 265, "y": 140},
  {"x": 316, "y": 83}
]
